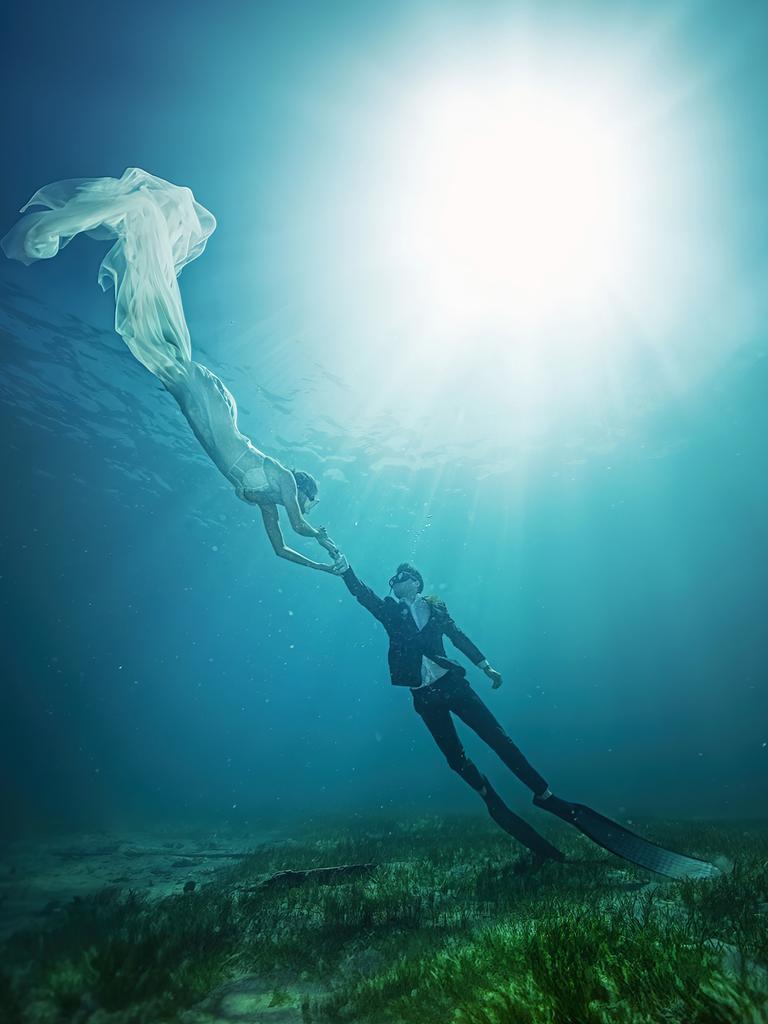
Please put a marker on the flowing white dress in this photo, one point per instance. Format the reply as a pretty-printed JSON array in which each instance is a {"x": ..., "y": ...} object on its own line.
[{"x": 158, "y": 228}]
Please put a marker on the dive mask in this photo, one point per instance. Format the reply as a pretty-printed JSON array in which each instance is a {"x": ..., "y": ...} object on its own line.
[{"x": 399, "y": 577}]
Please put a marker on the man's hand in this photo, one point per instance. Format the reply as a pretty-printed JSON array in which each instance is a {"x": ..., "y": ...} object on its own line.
[
  {"x": 494, "y": 676},
  {"x": 341, "y": 565}
]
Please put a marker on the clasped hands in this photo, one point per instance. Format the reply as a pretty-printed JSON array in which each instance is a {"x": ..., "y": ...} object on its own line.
[{"x": 340, "y": 563}]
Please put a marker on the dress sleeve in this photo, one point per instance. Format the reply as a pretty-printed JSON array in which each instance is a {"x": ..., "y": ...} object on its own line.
[{"x": 372, "y": 602}]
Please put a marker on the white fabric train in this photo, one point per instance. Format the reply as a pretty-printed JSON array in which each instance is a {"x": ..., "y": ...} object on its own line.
[{"x": 158, "y": 228}]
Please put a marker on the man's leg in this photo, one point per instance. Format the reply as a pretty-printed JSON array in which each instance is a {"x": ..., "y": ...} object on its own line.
[
  {"x": 470, "y": 709},
  {"x": 433, "y": 709}
]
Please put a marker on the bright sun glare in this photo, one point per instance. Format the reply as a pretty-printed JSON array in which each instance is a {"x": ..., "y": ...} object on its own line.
[
  {"x": 514, "y": 203},
  {"x": 532, "y": 234}
]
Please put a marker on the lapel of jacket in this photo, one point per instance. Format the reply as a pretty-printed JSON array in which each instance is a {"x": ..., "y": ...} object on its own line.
[
  {"x": 405, "y": 617},
  {"x": 409, "y": 623}
]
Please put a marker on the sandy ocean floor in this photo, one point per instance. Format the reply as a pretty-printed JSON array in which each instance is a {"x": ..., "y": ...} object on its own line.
[
  {"x": 448, "y": 890},
  {"x": 38, "y": 877}
]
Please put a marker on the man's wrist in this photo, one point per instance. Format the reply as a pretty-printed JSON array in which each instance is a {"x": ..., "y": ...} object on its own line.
[{"x": 484, "y": 664}]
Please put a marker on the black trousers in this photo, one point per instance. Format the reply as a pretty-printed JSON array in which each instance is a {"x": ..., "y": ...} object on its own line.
[{"x": 453, "y": 694}]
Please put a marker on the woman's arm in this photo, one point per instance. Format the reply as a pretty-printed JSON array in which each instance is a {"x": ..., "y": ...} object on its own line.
[
  {"x": 290, "y": 498},
  {"x": 275, "y": 534}
]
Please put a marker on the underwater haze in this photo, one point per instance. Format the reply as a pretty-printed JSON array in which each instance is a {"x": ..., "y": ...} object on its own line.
[
  {"x": 493, "y": 274},
  {"x": 585, "y": 487}
]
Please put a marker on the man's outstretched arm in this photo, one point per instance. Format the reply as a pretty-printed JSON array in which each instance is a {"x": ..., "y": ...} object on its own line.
[{"x": 372, "y": 602}]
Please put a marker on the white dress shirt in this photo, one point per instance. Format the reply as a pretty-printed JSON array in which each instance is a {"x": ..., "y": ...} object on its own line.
[{"x": 430, "y": 671}]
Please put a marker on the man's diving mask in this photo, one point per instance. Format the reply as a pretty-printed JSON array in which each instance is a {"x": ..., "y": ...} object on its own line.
[{"x": 401, "y": 576}]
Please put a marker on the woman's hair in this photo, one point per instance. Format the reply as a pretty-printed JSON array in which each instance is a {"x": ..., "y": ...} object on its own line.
[{"x": 305, "y": 483}]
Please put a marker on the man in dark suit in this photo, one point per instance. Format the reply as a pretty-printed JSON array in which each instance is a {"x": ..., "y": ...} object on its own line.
[{"x": 416, "y": 627}]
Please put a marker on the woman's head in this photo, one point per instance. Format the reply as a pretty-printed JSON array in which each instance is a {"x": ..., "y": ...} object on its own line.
[{"x": 306, "y": 488}]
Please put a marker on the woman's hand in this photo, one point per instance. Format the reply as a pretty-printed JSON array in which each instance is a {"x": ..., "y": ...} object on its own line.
[{"x": 325, "y": 542}]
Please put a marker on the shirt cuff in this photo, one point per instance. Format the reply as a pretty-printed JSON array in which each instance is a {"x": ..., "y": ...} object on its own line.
[{"x": 483, "y": 664}]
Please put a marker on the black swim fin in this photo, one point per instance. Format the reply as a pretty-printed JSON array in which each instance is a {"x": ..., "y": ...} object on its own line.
[
  {"x": 619, "y": 840},
  {"x": 518, "y": 827}
]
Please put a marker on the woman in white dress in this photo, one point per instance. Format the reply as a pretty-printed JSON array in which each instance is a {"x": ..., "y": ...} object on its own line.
[{"x": 159, "y": 227}]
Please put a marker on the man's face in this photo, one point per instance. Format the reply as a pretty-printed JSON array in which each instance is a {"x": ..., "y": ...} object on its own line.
[{"x": 405, "y": 587}]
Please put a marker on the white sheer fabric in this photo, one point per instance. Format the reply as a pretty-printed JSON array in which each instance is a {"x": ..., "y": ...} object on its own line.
[{"x": 158, "y": 228}]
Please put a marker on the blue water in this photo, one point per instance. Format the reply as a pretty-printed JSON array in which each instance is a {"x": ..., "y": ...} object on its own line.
[{"x": 593, "y": 516}]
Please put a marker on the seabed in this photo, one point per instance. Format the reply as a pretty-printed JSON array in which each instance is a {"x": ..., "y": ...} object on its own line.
[{"x": 430, "y": 921}]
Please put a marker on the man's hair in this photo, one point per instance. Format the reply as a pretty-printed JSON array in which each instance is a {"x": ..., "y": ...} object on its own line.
[
  {"x": 305, "y": 483},
  {"x": 407, "y": 567}
]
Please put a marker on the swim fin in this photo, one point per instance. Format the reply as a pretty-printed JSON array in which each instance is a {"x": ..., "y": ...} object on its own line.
[
  {"x": 619, "y": 840},
  {"x": 517, "y": 826}
]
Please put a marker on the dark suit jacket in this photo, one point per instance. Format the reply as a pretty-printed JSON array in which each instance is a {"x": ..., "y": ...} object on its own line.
[{"x": 407, "y": 644}]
